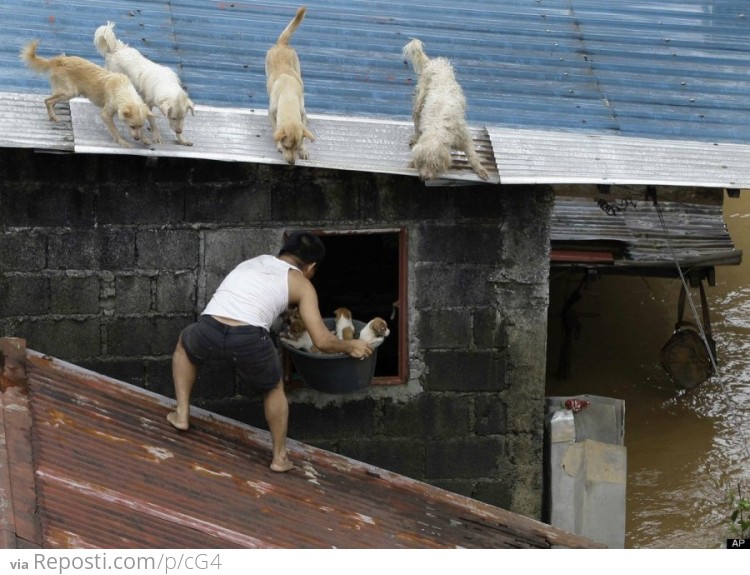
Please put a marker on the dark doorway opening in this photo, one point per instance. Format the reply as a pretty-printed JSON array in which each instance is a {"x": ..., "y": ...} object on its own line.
[{"x": 365, "y": 272}]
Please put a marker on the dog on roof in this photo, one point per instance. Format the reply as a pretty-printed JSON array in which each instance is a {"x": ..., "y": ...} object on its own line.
[
  {"x": 158, "y": 85},
  {"x": 113, "y": 93},
  {"x": 286, "y": 101},
  {"x": 439, "y": 114}
]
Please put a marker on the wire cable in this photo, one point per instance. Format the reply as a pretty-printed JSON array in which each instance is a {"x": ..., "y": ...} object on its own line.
[{"x": 727, "y": 398}]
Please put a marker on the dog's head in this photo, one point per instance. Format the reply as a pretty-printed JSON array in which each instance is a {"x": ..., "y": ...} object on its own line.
[
  {"x": 342, "y": 313},
  {"x": 289, "y": 138},
  {"x": 295, "y": 327},
  {"x": 176, "y": 111},
  {"x": 134, "y": 116},
  {"x": 414, "y": 52},
  {"x": 380, "y": 327},
  {"x": 431, "y": 159}
]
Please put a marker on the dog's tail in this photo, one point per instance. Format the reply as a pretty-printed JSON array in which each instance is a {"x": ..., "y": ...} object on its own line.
[
  {"x": 105, "y": 40},
  {"x": 286, "y": 35},
  {"x": 28, "y": 55},
  {"x": 414, "y": 52}
]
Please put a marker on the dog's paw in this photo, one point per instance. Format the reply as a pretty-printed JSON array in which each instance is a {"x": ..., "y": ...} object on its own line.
[
  {"x": 482, "y": 173},
  {"x": 303, "y": 153}
]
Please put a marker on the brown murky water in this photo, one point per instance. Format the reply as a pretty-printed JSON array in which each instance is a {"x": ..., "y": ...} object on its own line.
[{"x": 686, "y": 451}]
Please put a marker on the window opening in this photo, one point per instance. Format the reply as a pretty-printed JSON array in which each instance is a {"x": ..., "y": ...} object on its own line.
[{"x": 366, "y": 272}]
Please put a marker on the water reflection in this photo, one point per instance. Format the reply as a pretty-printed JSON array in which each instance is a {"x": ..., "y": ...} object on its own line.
[{"x": 686, "y": 451}]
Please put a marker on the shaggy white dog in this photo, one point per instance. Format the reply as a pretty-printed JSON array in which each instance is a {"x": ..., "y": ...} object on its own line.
[
  {"x": 158, "y": 85},
  {"x": 439, "y": 113}
]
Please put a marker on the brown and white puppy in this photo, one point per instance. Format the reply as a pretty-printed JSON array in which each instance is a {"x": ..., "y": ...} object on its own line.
[
  {"x": 344, "y": 324},
  {"x": 375, "y": 332},
  {"x": 439, "y": 114},
  {"x": 297, "y": 336},
  {"x": 286, "y": 102},
  {"x": 71, "y": 76},
  {"x": 158, "y": 85}
]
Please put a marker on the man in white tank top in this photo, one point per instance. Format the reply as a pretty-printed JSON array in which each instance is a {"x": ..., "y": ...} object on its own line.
[{"x": 235, "y": 327}]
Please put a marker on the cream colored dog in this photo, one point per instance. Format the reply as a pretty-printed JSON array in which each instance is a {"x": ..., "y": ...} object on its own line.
[
  {"x": 439, "y": 113},
  {"x": 158, "y": 85},
  {"x": 286, "y": 106},
  {"x": 71, "y": 76}
]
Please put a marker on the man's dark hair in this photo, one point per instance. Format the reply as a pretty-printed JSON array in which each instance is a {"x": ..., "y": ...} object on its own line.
[{"x": 306, "y": 246}]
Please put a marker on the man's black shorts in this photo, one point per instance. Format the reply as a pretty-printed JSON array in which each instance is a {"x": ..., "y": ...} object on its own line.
[{"x": 248, "y": 347}]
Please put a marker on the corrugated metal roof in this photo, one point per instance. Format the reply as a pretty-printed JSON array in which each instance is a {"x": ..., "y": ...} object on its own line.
[
  {"x": 640, "y": 232},
  {"x": 227, "y": 134},
  {"x": 89, "y": 461},
  {"x": 546, "y": 157},
  {"x": 677, "y": 69}
]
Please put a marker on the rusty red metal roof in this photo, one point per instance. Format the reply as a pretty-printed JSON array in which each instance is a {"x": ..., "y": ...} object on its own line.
[{"x": 91, "y": 462}]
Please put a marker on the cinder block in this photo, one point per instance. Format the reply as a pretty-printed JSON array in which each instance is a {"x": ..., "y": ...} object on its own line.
[
  {"x": 229, "y": 203},
  {"x": 124, "y": 205},
  {"x": 464, "y": 458},
  {"x": 23, "y": 251},
  {"x": 91, "y": 250},
  {"x": 445, "y": 285},
  {"x": 168, "y": 249},
  {"x": 74, "y": 295},
  {"x": 489, "y": 329},
  {"x": 390, "y": 454},
  {"x": 490, "y": 415},
  {"x": 133, "y": 294},
  {"x": 67, "y": 339},
  {"x": 24, "y": 295},
  {"x": 465, "y": 371},
  {"x": 444, "y": 328},
  {"x": 176, "y": 292},
  {"x": 459, "y": 243},
  {"x": 224, "y": 249}
]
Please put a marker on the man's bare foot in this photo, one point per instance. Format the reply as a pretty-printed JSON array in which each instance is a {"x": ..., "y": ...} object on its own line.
[
  {"x": 177, "y": 422},
  {"x": 282, "y": 465}
]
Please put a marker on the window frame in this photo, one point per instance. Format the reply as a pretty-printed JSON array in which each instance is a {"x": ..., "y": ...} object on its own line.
[{"x": 401, "y": 306}]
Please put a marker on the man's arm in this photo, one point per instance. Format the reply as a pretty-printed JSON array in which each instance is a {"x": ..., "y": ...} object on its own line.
[{"x": 302, "y": 292}]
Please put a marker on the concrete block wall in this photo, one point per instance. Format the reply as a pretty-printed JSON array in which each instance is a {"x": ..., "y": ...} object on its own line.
[{"x": 104, "y": 260}]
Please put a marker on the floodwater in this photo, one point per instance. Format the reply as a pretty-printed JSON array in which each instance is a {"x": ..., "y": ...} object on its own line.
[{"x": 687, "y": 451}]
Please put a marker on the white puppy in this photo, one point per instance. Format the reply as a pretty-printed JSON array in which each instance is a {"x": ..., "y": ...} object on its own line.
[
  {"x": 158, "y": 85},
  {"x": 344, "y": 323},
  {"x": 439, "y": 113}
]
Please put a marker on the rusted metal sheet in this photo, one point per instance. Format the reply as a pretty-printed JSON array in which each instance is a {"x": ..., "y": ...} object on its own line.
[
  {"x": 19, "y": 520},
  {"x": 639, "y": 233},
  {"x": 109, "y": 471}
]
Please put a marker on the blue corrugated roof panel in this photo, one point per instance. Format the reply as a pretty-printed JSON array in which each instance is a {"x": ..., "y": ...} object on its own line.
[{"x": 668, "y": 69}]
